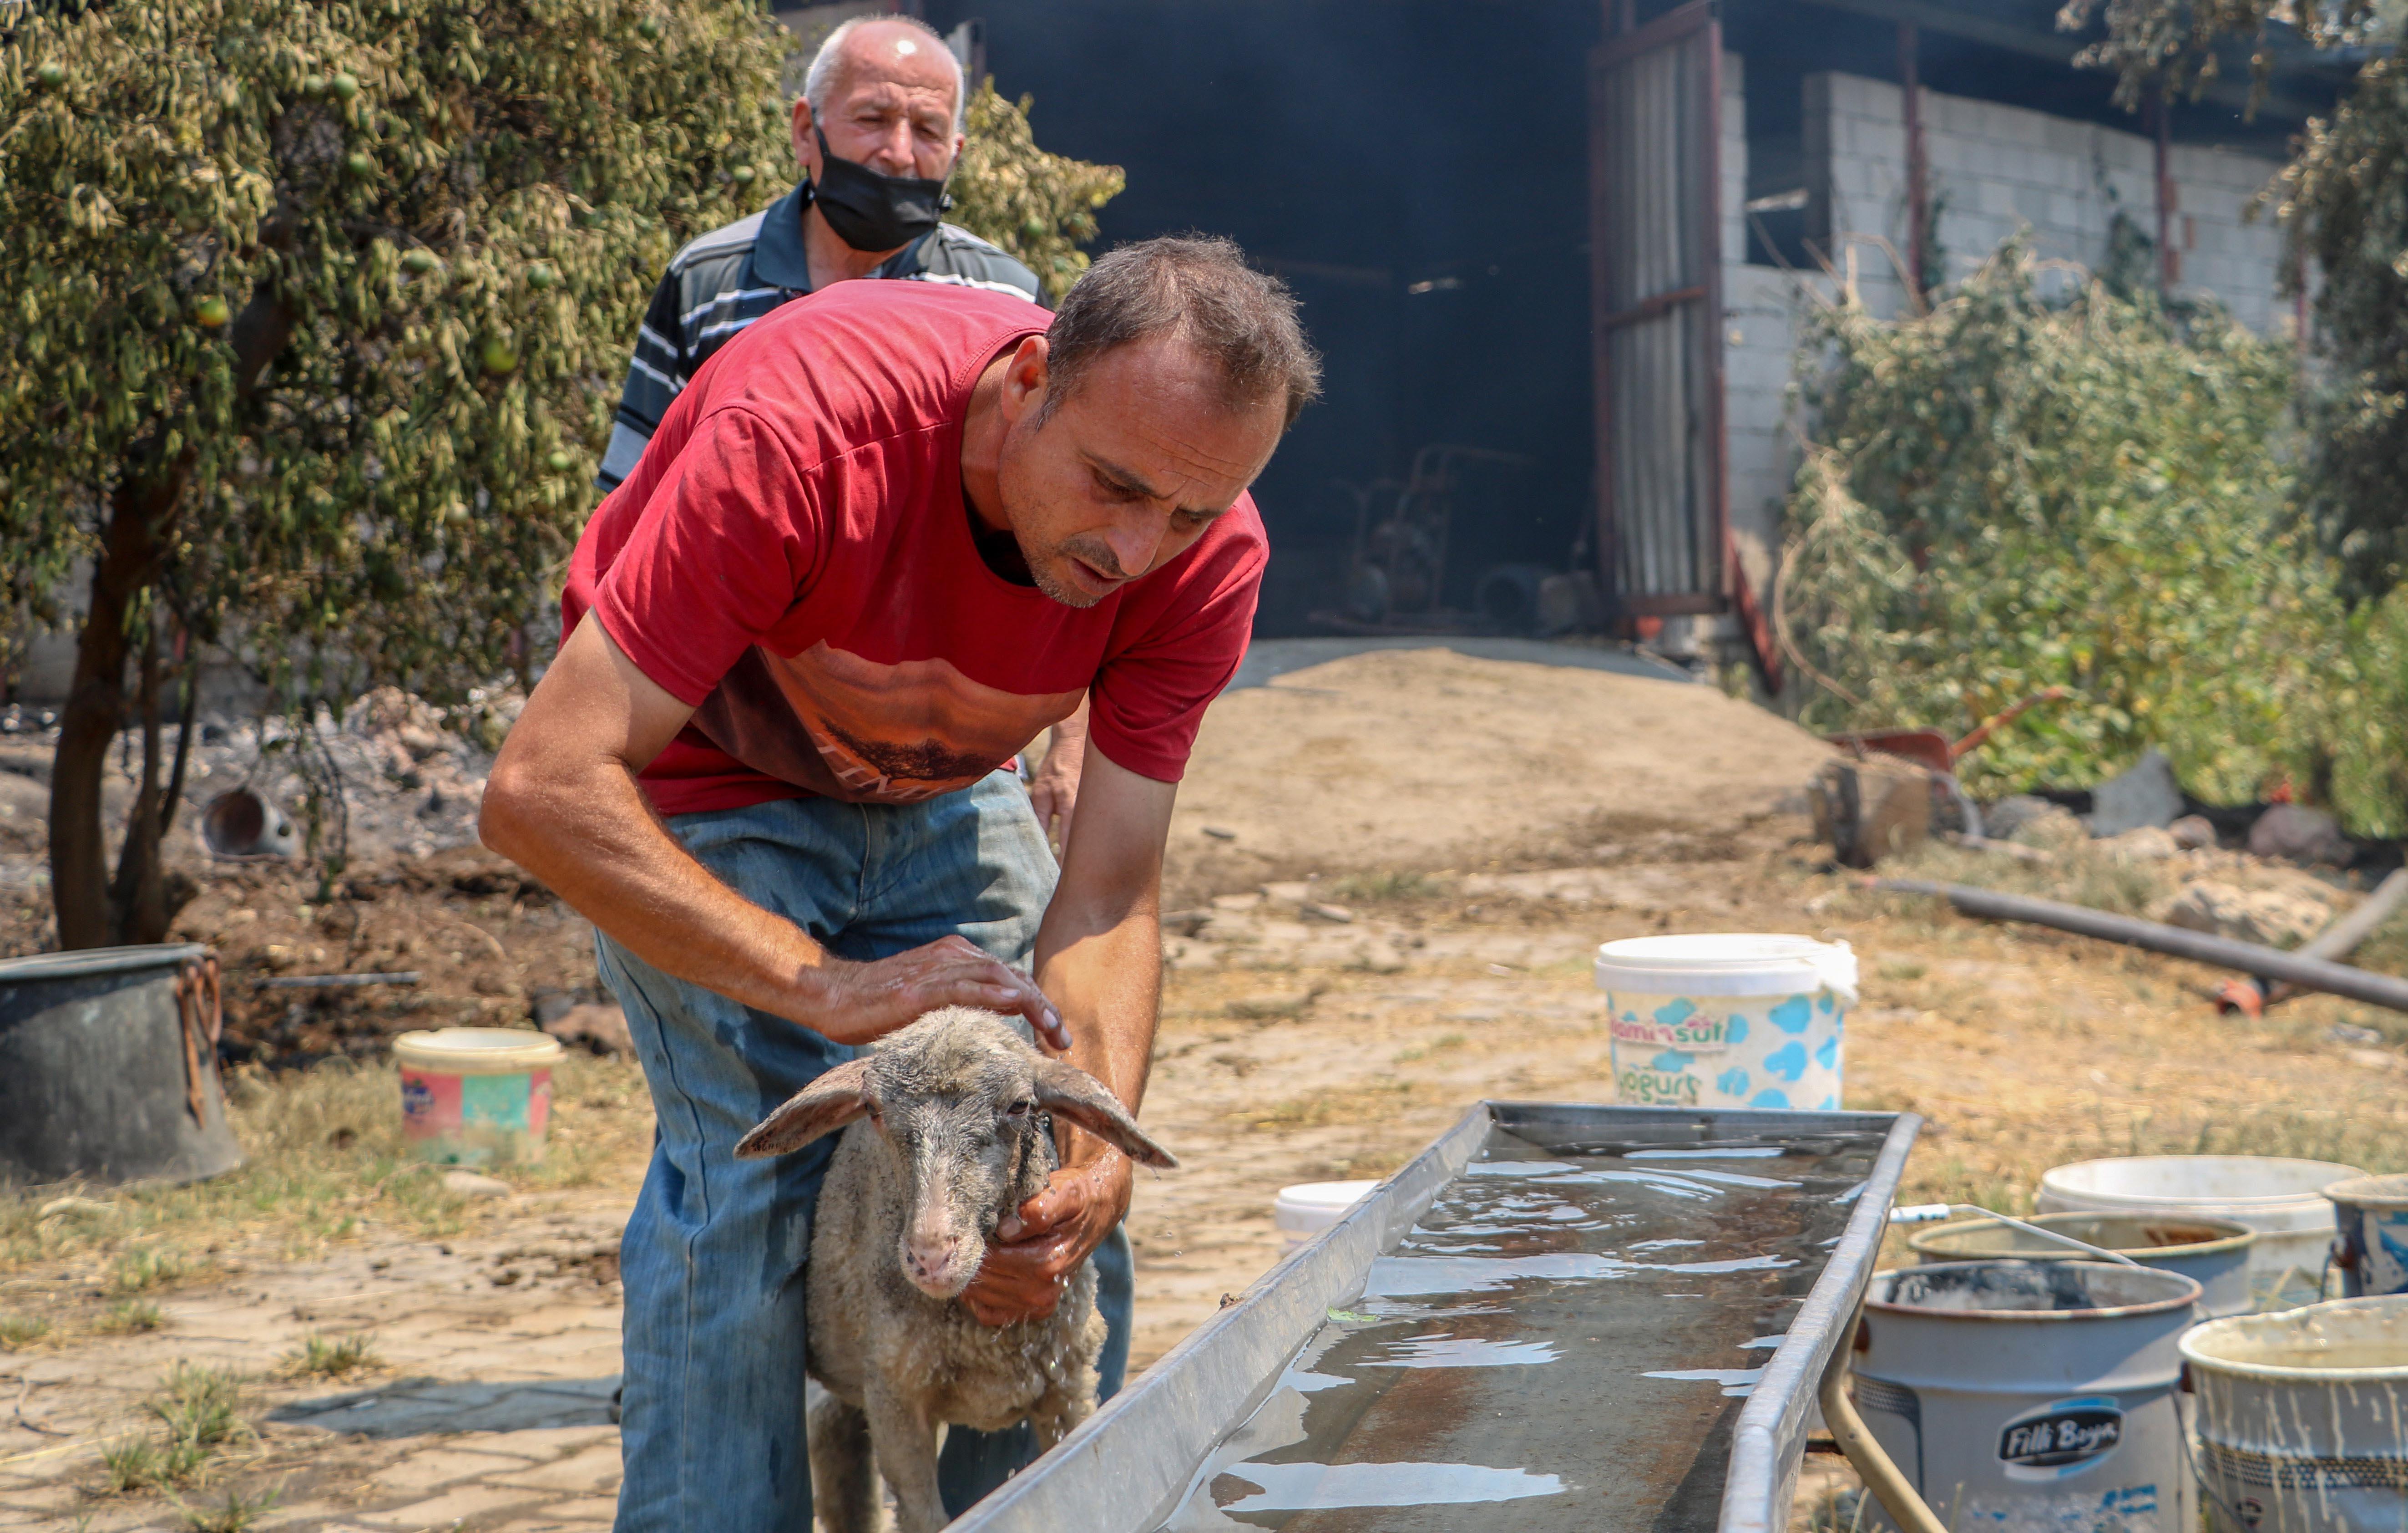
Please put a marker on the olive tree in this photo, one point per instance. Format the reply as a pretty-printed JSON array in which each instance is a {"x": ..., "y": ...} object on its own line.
[
  {"x": 1039, "y": 207},
  {"x": 315, "y": 315}
]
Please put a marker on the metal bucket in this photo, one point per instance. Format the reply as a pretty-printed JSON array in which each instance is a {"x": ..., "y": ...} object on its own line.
[
  {"x": 2372, "y": 1254},
  {"x": 108, "y": 1067},
  {"x": 2278, "y": 1196},
  {"x": 2304, "y": 1418},
  {"x": 2032, "y": 1394},
  {"x": 1347, "y": 1381},
  {"x": 2212, "y": 1252}
]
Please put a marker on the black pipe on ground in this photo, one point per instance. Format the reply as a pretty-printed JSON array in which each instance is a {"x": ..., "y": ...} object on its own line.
[{"x": 2314, "y": 973}]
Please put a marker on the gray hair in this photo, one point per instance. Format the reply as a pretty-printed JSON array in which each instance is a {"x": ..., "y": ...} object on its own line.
[
  {"x": 1199, "y": 288},
  {"x": 820, "y": 79}
]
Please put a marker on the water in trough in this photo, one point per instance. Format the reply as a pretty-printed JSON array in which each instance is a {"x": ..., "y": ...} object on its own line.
[{"x": 1563, "y": 1341}]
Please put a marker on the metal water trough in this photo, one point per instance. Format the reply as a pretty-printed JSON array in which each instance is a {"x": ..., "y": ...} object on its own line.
[{"x": 1131, "y": 1464}]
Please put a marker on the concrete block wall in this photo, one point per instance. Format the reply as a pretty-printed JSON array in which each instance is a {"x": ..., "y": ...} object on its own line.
[
  {"x": 1997, "y": 168},
  {"x": 2000, "y": 168}
]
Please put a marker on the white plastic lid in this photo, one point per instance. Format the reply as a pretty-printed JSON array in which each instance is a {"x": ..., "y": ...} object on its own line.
[
  {"x": 476, "y": 1050},
  {"x": 1310, "y": 1206},
  {"x": 1727, "y": 964}
]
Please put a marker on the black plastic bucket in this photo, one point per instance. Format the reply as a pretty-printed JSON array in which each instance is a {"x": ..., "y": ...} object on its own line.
[{"x": 108, "y": 1067}]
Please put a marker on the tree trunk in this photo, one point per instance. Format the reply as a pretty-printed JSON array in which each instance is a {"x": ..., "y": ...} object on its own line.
[
  {"x": 138, "y": 902},
  {"x": 129, "y": 559},
  {"x": 141, "y": 516}
]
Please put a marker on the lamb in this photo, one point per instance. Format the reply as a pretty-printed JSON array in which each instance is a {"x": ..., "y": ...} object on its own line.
[{"x": 951, "y": 1137}]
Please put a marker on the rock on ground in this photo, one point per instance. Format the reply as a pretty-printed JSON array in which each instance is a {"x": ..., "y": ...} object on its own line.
[
  {"x": 2147, "y": 795},
  {"x": 1427, "y": 759},
  {"x": 2278, "y": 917},
  {"x": 2294, "y": 833}
]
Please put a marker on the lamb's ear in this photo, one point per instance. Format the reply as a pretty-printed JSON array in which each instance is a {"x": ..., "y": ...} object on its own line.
[
  {"x": 1066, "y": 1091},
  {"x": 824, "y": 1106}
]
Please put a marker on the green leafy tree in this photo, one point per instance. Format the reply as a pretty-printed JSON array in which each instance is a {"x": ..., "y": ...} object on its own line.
[
  {"x": 1039, "y": 207},
  {"x": 316, "y": 313},
  {"x": 2344, "y": 200},
  {"x": 2007, "y": 495}
]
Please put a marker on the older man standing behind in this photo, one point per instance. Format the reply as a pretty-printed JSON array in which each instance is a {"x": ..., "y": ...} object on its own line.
[{"x": 877, "y": 131}]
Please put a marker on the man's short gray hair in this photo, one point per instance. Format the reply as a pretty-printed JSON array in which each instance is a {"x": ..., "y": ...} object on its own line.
[
  {"x": 1199, "y": 289},
  {"x": 820, "y": 79}
]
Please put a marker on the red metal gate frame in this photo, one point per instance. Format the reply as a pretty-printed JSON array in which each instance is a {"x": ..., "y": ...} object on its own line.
[
  {"x": 1731, "y": 588},
  {"x": 1672, "y": 27}
]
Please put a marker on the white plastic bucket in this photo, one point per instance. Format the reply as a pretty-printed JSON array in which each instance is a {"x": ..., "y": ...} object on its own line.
[
  {"x": 2372, "y": 1252},
  {"x": 1308, "y": 1208},
  {"x": 476, "y": 1095},
  {"x": 2281, "y": 1199},
  {"x": 1733, "y": 1019},
  {"x": 2211, "y": 1252},
  {"x": 2304, "y": 1418},
  {"x": 2032, "y": 1394}
]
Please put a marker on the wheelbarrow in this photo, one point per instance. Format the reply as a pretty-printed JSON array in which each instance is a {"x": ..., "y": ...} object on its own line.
[{"x": 1937, "y": 754}]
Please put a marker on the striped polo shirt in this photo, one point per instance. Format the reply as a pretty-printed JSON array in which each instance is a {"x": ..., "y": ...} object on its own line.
[{"x": 731, "y": 277}]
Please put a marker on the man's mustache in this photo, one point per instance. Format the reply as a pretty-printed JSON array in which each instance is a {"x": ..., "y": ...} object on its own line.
[{"x": 1096, "y": 553}]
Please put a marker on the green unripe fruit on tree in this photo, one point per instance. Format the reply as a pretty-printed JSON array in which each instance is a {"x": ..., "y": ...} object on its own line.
[
  {"x": 359, "y": 164},
  {"x": 344, "y": 86},
  {"x": 649, "y": 29},
  {"x": 211, "y": 312},
  {"x": 499, "y": 357},
  {"x": 312, "y": 85},
  {"x": 539, "y": 276},
  {"x": 558, "y": 461},
  {"x": 1032, "y": 228},
  {"x": 51, "y": 75},
  {"x": 418, "y": 262},
  {"x": 456, "y": 514},
  {"x": 742, "y": 174}
]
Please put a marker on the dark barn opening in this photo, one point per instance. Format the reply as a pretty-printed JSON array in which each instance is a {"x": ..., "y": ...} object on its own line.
[{"x": 1418, "y": 173}]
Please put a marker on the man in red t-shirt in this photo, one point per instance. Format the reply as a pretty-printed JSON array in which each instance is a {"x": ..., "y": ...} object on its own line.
[{"x": 883, "y": 539}]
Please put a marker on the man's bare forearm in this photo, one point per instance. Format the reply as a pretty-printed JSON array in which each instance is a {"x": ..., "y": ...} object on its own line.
[
  {"x": 562, "y": 803},
  {"x": 594, "y": 839},
  {"x": 1099, "y": 952}
]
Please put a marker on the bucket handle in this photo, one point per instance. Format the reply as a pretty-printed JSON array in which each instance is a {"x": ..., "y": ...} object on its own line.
[
  {"x": 1927, "y": 1213},
  {"x": 200, "y": 1012}
]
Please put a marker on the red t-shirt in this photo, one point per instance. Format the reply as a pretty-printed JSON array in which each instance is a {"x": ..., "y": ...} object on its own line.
[{"x": 794, "y": 557}]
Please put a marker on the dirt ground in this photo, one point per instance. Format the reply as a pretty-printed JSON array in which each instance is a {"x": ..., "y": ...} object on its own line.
[{"x": 1313, "y": 1027}]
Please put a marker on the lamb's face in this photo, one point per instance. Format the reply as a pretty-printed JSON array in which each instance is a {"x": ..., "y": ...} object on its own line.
[{"x": 961, "y": 1143}]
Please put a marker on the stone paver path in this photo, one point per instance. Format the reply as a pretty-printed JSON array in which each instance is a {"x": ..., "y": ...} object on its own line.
[{"x": 492, "y": 1407}]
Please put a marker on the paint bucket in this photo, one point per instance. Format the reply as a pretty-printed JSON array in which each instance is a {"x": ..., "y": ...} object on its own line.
[
  {"x": 2304, "y": 1418},
  {"x": 476, "y": 1095},
  {"x": 1728, "y": 1020},
  {"x": 2031, "y": 1395},
  {"x": 2211, "y": 1252},
  {"x": 2372, "y": 1254},
  {"x": 1308, "y": 1208},
  {"x": 2281, "y": 1199}
]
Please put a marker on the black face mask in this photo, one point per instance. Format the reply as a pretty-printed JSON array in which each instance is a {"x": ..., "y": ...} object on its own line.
[{"x": 870, "y": 212}]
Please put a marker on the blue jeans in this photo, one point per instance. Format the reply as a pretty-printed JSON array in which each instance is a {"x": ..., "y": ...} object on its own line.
[{"x": 711, "y": 1421}]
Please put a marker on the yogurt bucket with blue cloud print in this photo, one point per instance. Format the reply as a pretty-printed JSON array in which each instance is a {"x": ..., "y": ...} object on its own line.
[{"x": 1731, "y": 1019}]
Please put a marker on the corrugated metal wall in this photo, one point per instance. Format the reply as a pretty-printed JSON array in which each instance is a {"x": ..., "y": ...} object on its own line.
[{"x": 1658, "y": 288}]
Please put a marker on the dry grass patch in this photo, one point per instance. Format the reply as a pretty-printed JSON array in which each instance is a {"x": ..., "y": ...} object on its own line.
[
  {"x": 324, "y": 1155},
  {"x": 335, "y": 1357},
  {"x": 199, "y": 1413},
  {"x": 18, "y": 1331},
  {"x": 1370, "y": 1103}
]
